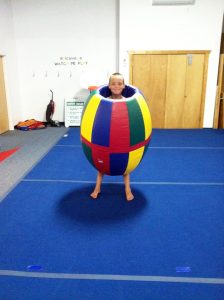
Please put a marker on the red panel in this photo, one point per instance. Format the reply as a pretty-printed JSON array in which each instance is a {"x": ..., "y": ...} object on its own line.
[
  {"x": 115, "y": 149},
  {"x": 101, "y": 160},
  {"x": 119, "y": 131}
]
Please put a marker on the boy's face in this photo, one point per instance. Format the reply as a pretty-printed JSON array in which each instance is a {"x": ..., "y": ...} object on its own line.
[{"x": 116, "y": 85}]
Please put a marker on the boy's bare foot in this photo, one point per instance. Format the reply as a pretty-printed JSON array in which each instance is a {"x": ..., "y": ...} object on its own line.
[
  {"x": 95, "y": 194},
  {"x": 129, "y": 196}
]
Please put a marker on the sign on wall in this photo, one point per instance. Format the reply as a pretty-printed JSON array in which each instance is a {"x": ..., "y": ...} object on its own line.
[{"x": 73, "y": 112}]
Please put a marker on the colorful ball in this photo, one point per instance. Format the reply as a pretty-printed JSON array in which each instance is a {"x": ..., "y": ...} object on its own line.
[{"x": 115, "y": 133}]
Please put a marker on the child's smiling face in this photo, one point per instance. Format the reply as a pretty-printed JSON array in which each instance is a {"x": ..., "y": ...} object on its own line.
[{"x": 116, "y": 85}]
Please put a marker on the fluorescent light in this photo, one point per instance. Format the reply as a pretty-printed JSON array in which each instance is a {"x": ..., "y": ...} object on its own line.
[{"x": 173, "y": 2}]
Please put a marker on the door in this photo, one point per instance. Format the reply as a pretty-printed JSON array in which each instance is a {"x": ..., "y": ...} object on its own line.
[
  {"x": 145, "y": 72},
  {"x": 173, "y": 83},
  {"x": 4, "y": 120}
]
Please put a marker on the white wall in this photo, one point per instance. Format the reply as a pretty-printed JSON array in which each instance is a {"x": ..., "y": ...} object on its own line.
[
  {"x": 196, "y": 27},
  {"x": 35, "y": 34},
  {"x": 67, "y": 32},
  {"x": 7, "y": 49}
]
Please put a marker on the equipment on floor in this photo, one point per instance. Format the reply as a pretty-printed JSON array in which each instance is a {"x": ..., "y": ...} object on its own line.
[{"x": 30, "y": 124}]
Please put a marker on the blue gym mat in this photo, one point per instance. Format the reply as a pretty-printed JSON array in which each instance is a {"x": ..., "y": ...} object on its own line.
[{"x": 171, "y": 232}]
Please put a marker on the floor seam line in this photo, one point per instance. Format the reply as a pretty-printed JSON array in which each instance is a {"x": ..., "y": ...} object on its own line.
[{"x": 112, "y": 277}]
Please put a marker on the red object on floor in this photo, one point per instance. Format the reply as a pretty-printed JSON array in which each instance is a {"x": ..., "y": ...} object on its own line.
[{"x": 5, "y": 154}]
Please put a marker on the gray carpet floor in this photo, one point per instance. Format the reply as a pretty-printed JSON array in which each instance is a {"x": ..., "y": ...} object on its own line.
[{"x": 33, "y": 145}]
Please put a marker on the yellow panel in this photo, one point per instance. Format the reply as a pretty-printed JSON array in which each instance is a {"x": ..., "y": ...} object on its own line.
[
  {"x": 134, "y": 159},
  {"x": 89, "y": 116},
  {"x": 146, "y": 116}
]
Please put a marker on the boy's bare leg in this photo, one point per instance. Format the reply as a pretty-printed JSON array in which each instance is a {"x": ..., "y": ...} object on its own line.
[
  {"x": 97, "y": 188},
  {"x": 129, "y": 195}
]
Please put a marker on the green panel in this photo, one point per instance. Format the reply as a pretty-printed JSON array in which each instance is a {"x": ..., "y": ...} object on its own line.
[
  {"x": 88, "y": 153},
  {"x": 136, "y": 122}
]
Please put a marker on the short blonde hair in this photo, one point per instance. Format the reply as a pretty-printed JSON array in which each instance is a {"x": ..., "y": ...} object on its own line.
[{"x": 116, "y": 75}]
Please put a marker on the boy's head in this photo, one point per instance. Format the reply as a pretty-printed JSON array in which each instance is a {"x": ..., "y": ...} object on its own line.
[
  {"x": 116, "y": 76},
  {"x": 116, "y": 84}
]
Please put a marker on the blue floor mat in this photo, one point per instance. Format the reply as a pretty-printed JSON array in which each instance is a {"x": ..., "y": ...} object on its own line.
[
  {"x": 172, "y": 165},
  {"x": 173, "y": 228},
  {"x": 62, "y": 229},
  {"x": 39, "y": 289}
]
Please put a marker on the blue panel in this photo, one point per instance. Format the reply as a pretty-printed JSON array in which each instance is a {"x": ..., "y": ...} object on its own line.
[
  {"x": 101, "y": 126},
  {"x": 118, "y": 163}
]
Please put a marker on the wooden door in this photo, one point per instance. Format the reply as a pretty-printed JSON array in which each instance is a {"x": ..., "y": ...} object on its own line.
[
  {"x": 184, "y": 91},
  {"x": 146, "y": 70},
  {"x": 4, "y": 121},
  {"x": 174, "y": 84},
  {"x": 175, "y": 91},
  {"x": 218, "y": 121}
]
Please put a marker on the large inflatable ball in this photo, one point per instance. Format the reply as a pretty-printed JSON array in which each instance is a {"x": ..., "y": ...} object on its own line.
[{"x": 115, "y": 133}]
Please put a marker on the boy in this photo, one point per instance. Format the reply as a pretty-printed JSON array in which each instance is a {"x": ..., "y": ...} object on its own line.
[{"x": 116, "y": 85}]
